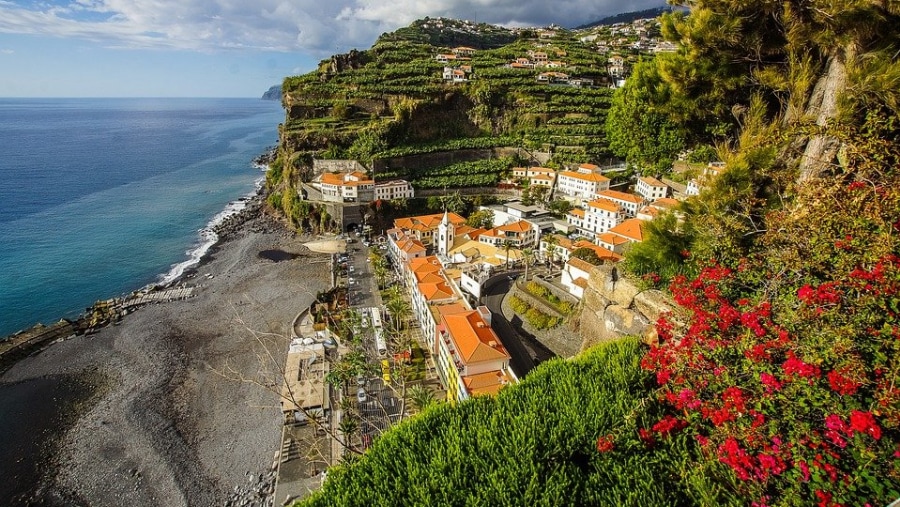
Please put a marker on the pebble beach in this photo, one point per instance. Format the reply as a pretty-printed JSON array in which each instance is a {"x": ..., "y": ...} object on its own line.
[{"x": 177, "y": 404}]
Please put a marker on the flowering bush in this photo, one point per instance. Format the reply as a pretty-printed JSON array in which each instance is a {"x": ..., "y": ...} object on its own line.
[{"x": 796, "y": 398}]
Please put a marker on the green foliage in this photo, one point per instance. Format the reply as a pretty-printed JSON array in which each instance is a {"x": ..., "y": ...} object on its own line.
[
  {"x": 665, "y": 251},
  {"x": 483, "y": 219},
  {"x": 462, "y": 455},
  {"x": 535, "y": 317},
  {"x": 588, "y": 255},
  {"x": 639, "y": 132}
]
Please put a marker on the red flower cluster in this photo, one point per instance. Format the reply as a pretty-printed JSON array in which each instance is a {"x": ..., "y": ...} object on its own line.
[
  {"x": 842, "y": 384},
  {"x": 605, "y": 443},
  {"x": 795, "y": 367},
  {"x": 668, "y": 425},
  {"x": 708, "y": 368}
]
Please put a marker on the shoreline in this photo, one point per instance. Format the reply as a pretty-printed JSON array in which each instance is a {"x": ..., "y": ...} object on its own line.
[
  {"x": 236, "y": 213},
  {"x": 184, "y": 416}
]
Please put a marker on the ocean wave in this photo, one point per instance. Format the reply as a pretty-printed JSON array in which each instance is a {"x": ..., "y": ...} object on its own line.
[{"x": 208, "y": 237}]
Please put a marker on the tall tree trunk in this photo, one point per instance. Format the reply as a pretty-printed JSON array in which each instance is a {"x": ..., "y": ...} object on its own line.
[{"x": 821, "y": 150}]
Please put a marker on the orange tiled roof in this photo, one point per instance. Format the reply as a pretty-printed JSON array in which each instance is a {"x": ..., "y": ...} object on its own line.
[
  {"x": 429, "y": 264},
  {"x": 577, "y": 212},
  {"x": 435, "y": 291},
  {"x": 630, "y": 229},
  {"x": 590, "y": 167},
  {"x": 665, "y": 203},
  {"x": 488, "y": 382},
  {"x": 596, "y": 178},
  {"x": 621, "y": 196},
  {"x": 601, "y": 252},
  {"x": 653, "y": 181},
  {"x": 332, "y": 179},
  {"x": 474, "y": 339},
  {"x": 605, "y": 204},
  {"x": 611, "y": 239},
  {"x": 580, "y": 264},
  {"x": 427, "y": 222},
  {"x": 520, "y": 226},
  {"x": 581, "y": 282}
]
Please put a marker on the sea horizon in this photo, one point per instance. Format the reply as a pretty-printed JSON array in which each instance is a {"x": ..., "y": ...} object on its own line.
[{"x": 103, "y": 196}]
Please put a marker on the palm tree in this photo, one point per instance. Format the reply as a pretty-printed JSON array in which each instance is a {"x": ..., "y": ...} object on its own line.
[
  {"x": 527, "y": 257},
  {"x": 551, "y": 240},
  {"x": 399, "y": 310},
  {"x": 507, "y": 244},
  {"x": 421, "y": 396}
]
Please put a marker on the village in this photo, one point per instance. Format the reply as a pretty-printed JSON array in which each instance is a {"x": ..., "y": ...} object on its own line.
[{"x": 433, "y": 308}]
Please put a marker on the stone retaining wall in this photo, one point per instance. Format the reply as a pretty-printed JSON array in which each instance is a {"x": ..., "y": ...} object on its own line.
[{"x": 615, "y": 307}]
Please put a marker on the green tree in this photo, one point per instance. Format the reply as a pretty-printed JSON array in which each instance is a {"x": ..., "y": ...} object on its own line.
[
  {"x": 483, "y": 219},
  {"x": 639, "y": 131},
  {"x": 551, "y": 241},
  {"x": 588, "y": 255}
]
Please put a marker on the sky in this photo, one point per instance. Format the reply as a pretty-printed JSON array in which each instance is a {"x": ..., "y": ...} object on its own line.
[{"x": 222, "y": 48}]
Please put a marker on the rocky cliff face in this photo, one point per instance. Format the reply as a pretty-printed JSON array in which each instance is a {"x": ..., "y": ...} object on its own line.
[
  {"x": 273, "y": 93},
  {"x": 615, "y": 307}
]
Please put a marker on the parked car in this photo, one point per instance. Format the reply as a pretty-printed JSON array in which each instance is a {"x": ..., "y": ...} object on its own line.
[{"x": 361, "y": 395}]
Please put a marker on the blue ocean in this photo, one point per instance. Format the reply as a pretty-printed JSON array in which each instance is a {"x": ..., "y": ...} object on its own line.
[{"x": 99, "y": 197}]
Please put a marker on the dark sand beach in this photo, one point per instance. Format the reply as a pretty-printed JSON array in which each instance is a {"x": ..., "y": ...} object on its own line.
[{"x": 174, "y": 406}]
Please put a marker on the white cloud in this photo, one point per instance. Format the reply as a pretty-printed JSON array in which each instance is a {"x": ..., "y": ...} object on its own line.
[
  {"x": 310, "y": 26},
  {"x": 7, "y": 51}
]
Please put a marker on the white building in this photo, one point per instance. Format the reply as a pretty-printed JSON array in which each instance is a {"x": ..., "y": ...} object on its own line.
[
  {"x": 345, "y": 187},
  {"x": 575, "y": 276},
  {"x": 651, "y": 189},
  {"x": 580, "y": 185},
  {"x": 601, "y": 215},
  {"x": 628, "y": 202},
  {"x": 470, "y": 358},
  {"x": 395, "y": 189}
]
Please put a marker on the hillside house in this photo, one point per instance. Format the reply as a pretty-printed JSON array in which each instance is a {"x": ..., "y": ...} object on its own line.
[
  {"x": 651, "y": 188},
  {"x": 580, "y": 185},
  {"x": 345, "y": 187},
  {"x": 470, "y": 358},
  {"x": 394, "y": 189},
  {"x": 628, "y": 202}
]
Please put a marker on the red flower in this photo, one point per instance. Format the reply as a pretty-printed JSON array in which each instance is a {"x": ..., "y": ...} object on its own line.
[
  {"x": 667, "y": 425},
  {"x": 796, "y": 367},
  {"x": 646, "y": 437},
  {"x": 772, "y": 384},
  {"x": 605, "y": 444},
  {"x": 806, "y": 293},
  {"x": 864, "y": 422},
  {"x": 841, "y": 384}
]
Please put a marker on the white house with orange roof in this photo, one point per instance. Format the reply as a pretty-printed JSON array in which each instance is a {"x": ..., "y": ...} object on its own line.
[
  {"x": 394, "y": 189},
  {"x": 653, "y": 210},
  {"x": 521, "y": 234},
  {"x": 580, "y": 185},
  {"x": 575, "y": 276},
  {"x": 404, "y": 248},
  {"x": 575, "y": 218},
  {"x": 651, "y": 188},
  {"x": 423, "y": 227},
  {"x": 620, "y": 236},
  {"x": 454, "y": 74},
  {"x": 345, "y": 187},
  {"x": 601, "y": 215},
  {"x": 428, "y": 286},
  {"x": 630, "y": 203},
  {"x": 470, "y": 358},
  {"x": 464, "y": 51}
]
